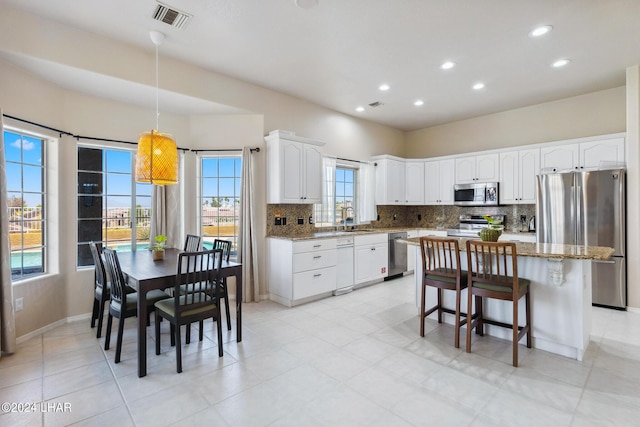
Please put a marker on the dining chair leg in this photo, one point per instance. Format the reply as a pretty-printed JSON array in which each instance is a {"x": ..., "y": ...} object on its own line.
[
  {"x": 201, "y": 331},
  {"x": 178, "y": 350},
  {"x": 515, "y": 332},
  {"x": 173, "y": 335},
  {"x": 226, "y": 306},
  {"x": 219, "y": 326},
  {"x": 480, "y": 327},
  {"x": 119, "y": 342},
  {"x": 456, "y": 339},
  {"x": 94, "y": 313},
  {"x": 100, "y": 318},
  {"x": 527, "y": 301},
  {"x": 157, "y": 325},
  {"x": 187, "y": 338},
  {"x": 107, "y": 339}
]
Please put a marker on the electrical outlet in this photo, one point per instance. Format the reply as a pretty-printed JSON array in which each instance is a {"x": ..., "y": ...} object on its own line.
[
  {"x": 284, "y": 220},
  {"x": 300, "y": 220},
  {"x": 19, "y": 304},
  {"x": 419, "y": 217},
  {"x": 310, "y": 220},
  {"x": 278, "y": 221}
]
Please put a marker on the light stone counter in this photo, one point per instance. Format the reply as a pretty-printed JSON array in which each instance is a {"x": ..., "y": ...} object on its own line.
[{"x": 544, "y": 250}]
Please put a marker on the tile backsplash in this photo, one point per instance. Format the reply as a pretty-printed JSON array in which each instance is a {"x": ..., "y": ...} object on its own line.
[{"x": 439, "y": 217}]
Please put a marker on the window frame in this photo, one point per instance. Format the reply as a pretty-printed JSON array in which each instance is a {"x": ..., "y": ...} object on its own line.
[
  {"x": 135, "y": 243},
  {"x": 201, "y": 175},
  {"x": 319, "y": 208},
  {"x": 44, "y": 210}
]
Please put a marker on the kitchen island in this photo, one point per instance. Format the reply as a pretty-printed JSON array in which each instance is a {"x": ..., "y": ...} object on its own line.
[{"x": 560, "y": 278}]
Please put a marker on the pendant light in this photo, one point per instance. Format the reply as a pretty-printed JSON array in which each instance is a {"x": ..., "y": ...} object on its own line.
[{"x": 157, "y": 157}]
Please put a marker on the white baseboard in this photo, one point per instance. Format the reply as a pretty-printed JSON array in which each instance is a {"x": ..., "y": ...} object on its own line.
[
  {"x": 51, "y": 326},
  {"x": 633, "y": 310}
]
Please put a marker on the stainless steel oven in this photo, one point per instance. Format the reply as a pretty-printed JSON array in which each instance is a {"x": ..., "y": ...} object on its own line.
[{"x": 476, "y": 194}]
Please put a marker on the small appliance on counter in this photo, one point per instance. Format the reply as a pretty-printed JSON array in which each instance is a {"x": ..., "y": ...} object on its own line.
[
  {"x": 532, "y": 224},
  {"x": 470, "y": 225}
]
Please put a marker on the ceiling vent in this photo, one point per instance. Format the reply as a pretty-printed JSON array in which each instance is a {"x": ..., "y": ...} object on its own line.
[
  {"x": 376, "y": 104},
  {"x": 171, "y": 16}
]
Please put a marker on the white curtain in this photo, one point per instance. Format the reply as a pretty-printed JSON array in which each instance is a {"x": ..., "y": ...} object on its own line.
[
  {"x": 248, "y": 243},
  {"x": 328, "y": 211},
  {"x": 366, "y": 193},
  {"x": 165, "y": 214},
  {"x": 7, "y": 319}
]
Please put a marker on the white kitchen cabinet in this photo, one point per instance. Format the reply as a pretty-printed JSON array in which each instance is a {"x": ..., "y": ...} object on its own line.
[
  {"x": 299, "y": 271},
  {"x": 411, "y": 251},
  {"x": 518, "y": 237},
  {"x": 480, "y": 168},
  {"x": 414, "y": 182},
  {"x": 518, "y": 170},
  {"x": 294, "y": 169},
  {"x": 439, "y": 176},
  {"x": 371, "y": 253},
  {"x": 594, "y": 154},
  {"x": 390, "y": 181}
]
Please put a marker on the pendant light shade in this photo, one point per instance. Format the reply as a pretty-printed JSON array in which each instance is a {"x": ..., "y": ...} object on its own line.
[{"x": 157, "y": 159}]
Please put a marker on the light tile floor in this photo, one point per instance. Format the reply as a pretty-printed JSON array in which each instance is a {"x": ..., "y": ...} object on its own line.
[{"x": 352, "y": 360}]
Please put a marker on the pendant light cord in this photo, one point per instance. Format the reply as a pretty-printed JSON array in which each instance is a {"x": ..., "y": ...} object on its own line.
[{"x": 157, "y": 90}]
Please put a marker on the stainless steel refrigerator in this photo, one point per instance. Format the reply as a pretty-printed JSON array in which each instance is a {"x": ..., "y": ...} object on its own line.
[{"x": 588, "y": 208}]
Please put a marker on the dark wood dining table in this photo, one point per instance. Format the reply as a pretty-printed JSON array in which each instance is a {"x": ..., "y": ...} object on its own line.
[{"x": 145, "y": 274}]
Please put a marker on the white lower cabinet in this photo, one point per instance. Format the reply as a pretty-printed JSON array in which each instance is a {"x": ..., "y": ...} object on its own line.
[
  {"x": 371, "y": 254},
  {"x": 301, "y": 270}
]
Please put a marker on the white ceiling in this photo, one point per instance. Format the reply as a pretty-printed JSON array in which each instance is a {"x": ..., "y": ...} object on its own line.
[{"x": 338, "y": 53}]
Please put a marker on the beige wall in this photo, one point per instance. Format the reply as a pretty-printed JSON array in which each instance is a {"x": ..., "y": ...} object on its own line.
[
  {"x": 633, "y": 194},
  {"x": 596, "y": 113},
  {"x": 67, "y": 292}
]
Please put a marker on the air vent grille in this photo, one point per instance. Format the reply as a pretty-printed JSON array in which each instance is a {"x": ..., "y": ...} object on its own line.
[
  {"x": 171, "y": 16},
  {"x": 376, "y": 104}
]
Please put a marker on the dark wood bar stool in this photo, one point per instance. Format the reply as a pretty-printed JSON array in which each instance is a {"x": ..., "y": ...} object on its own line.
[
  {"x": 488, "y": 264},
  {"x": 441, "y": 270}
]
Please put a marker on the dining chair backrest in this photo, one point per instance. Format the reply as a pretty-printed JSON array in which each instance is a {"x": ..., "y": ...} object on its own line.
[
  {"x": 118, "y": 284},
  {"x": 100, "y": 272},
  {"x": 225, "y": 245},
  {"x": 197, "y": 276},
  {"x": 493, "y": 263},
  {"x": 192, "y": 243},
  {"x": 440, "y": 256}
]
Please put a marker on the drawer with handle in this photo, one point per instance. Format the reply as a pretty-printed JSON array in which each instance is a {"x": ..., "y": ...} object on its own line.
[
  {"x": 313, "y": 260},
  {"x": 314, "y": 282}
]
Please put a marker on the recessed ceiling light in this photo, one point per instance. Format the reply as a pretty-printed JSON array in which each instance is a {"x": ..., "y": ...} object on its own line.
[
  {"x": 540, "y": 31},
  {"x": 560, "y": 63},
  {"x": 418, "y": 103},
  {"x": 384, "y": 87},
  {"x": 478, "y": 86},
  {"x": 360, "y": 109},
  {"x": 448, "y": 65}
]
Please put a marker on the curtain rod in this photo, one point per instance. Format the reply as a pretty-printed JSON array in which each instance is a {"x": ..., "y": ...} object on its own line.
[
  {"x": 257, "y": 150},
  {"x": 349, "y": 160}
]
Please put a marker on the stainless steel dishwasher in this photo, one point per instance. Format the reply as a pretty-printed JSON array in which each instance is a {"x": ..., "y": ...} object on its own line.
[{"x": 397, "y": 255}]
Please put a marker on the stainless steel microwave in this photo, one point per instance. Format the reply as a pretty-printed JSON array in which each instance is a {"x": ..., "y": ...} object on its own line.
[{"x": 476, "y": 194}]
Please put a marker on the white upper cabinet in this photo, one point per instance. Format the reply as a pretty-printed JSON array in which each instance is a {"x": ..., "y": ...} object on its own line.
[
  {"x": 439, "y": 177},
  {"x": 294, "y": 169},
  {"x": 480, "y": 168},
  {"x": 414, "y": 182},
  {"x": 390, "y": 181},
  {"x": 595, "y": 154},
  {"x": 518, "y": 170}
]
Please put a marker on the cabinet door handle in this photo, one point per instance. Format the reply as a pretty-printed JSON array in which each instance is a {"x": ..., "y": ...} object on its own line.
[
  {"x": 373, "y": 249},
  {"x": 317, "y": 275},
  {"x": 317, "y": 246},
  {"x": 317, "y": 257}
]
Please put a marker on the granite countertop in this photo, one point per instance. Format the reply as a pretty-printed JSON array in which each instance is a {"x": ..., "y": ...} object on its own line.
[
  {"x": 544, "y": 250},
  {"x": 330, "y": 234}
]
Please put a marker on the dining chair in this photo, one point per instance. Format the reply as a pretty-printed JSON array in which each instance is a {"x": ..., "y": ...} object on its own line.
[
  {"x": 198, "y": 273},
  {"x": 123, "y": 304},
  {"x": 192, "y": 243},
  {"x": 102, "y": 289},
  {"x": 225, "y": 245},
  {"x": 488, "y": 264},
  {"x": 441, "y": 270}
]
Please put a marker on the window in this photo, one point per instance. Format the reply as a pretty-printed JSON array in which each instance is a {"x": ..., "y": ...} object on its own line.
[
  {"x": 220, "y": 200},
  {"x": 113, "y": 209},
  {"x": 25, "y": 156},
  {"x": 339, "y": 199}
]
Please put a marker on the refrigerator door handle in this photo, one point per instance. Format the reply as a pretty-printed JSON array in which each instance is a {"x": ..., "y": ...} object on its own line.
[{"x": 602, "y": 261}]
